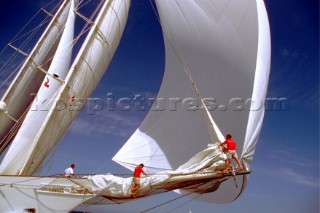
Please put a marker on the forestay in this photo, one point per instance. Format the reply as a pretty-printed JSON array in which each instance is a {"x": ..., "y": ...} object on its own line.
[{"x": 225, "y": 47}]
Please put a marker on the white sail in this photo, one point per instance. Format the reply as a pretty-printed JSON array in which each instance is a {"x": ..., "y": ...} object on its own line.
[
  {"x": 217, "y": 58},
  {"x": 260, "y": 86},
  {"x": 222, "y": 45},
  {"x": 58, "y": 102},
  {"x": 24, "y": 142},
  {"x": 29, "y": 78},
  {"x": 89, "y": 66}
]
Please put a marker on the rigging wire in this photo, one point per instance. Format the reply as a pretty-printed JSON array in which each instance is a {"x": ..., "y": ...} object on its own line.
[
  {"x": 20, "y": 31},
  {"x": 84, "y": 30},
  {"x": 11, "y": 75},
  {"x": 72, "y": 43},
  {"x": 177, "y": 198},
  {"x": 15, "y": 38},
  {"x": 9, "y": 137},
  {"x": 6, "y": 66},
  {"x": 164, "y": 203},
  {"x": 183, "y": 204},
  {"x": 47, "y": 102},
  {"x": 23, "y": 45}
]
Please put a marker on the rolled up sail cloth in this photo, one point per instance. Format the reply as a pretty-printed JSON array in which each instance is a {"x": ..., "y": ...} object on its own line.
[{"x": 197, "y": 167}]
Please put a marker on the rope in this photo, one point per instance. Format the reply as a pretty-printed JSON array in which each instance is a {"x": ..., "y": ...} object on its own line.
[
  {"x": 72, "y": 43},
  {"x": 169, "y": 201},
  {"x": 85, "y": 208},
  {"x": 13, "y": 183},
  {"x": 6, "y": 66},
  {"x": 11, "y": 134},
  {"x": 183, "y": 204},
  {"x": 201, "y": 187}
]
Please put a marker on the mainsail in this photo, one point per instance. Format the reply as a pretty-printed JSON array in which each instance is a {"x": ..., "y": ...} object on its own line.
[
  {"x": 225, "y": 47},
  {"x": 60, "y": 110},
  {"x": 20, "y": 93},
  {"x": 24, "y": 143}
]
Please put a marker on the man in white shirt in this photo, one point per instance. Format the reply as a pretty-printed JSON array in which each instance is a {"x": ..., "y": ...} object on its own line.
[{"x": 69, "y": 171}]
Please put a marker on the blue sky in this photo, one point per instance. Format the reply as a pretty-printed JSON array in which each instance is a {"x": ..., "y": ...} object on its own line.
[{"x": 285, "y": 175}]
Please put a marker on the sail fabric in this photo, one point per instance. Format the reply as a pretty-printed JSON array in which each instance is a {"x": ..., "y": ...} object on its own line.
[
  {"x": 260, "y": 86},
  {"x": 22, "y": 90},
  {"x": 216, "y": 43},
  {"x": 199, "y": 168},
  {"x": 85, "y": 73},
  {"x": 24, "y": 143}
]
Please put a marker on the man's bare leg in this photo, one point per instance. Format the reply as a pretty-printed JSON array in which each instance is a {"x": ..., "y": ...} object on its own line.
[
  {"x": 238, "y": 162},
  {"x": 134, "y": 189},
  {"x": 227, "y": 165}
]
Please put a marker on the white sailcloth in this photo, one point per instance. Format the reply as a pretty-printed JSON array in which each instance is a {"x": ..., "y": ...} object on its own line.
[
  {"x": 222, "y": 45},
  {"x": 260, "y": 86},
  {"x": 86, "y": 71},
  {"x": 25, "y": 140},
  {"x": 29, "y": 78},
  {"x": 70, "y": 89}
]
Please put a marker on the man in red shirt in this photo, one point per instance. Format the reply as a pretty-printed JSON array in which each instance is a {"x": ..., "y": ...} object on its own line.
[
  {"x": 230, "y": 146},
  {"x": 136, "y": 179}
]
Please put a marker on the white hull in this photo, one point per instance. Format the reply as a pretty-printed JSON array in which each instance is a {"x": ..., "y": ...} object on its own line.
[{"x": 20, "y": 193}]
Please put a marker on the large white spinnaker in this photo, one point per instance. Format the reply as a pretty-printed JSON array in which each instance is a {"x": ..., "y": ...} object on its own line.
[
  {"x": 221, "y": 44},
  {"x": 260, "y": 86},
  {"x": 21, "y": 92},
  {"x": 85, "y": 73},
  {"x": 24, "y": 142}
]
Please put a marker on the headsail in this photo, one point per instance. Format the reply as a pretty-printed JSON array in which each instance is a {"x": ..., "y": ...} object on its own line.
[{"x": 222, "y": 45}]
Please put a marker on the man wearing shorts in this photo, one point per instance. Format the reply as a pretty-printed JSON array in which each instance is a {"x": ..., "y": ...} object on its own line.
[
  {"x": 136, "y": 179},
  {"x": 230, "y": 146}
]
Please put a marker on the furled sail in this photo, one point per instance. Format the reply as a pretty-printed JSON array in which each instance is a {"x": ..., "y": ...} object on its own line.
[
  {"x": 222, "y": 47},
  {"x": 86, "y": 71},
  {"x": 21, "y": 92}
]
